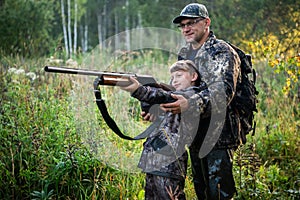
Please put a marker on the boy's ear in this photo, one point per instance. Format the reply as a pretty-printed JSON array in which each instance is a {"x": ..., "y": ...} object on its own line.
[{"x": 194, "y": 76}]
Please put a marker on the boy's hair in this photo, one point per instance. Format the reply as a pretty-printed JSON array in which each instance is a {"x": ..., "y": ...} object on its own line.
[{"x": 187, "y": 66}]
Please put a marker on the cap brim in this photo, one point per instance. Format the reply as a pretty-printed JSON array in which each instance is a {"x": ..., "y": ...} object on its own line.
[{"x": 178, "y": 19}]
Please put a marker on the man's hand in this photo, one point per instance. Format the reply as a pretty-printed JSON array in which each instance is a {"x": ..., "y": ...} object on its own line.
[
  {"x": 176, "y": 107},
  {"x": 148, "y": 116}
]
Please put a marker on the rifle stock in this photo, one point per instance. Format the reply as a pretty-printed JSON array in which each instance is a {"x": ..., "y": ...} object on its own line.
[{"x": 111, "y": 78}]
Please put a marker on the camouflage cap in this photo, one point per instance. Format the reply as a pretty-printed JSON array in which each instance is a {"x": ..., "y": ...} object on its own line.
[{"x": 193, "y": 10}]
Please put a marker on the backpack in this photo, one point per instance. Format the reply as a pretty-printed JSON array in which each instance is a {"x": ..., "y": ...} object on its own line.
[{"x": 245, "y": 99}]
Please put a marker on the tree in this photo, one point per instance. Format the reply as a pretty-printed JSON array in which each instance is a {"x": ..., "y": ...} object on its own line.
[
  {"x": 23, "y": 29},
  {"x": 74, "y": 14},
  {"x": 252, "y": 19},
  {"x": 32, "y": 28},
  {"x": 64, "y": 28}
]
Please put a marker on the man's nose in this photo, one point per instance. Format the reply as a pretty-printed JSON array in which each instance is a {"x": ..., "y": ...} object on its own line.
[{"x": 186, "y": 29}]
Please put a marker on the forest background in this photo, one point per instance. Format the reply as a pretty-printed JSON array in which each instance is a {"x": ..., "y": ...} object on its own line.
[{"x": 55, "y": 145}]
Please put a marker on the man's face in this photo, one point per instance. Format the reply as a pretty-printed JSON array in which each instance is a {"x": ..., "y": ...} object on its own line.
[
  {"x": 195, "y": 30},
  {"x": 182, "y": 79}
]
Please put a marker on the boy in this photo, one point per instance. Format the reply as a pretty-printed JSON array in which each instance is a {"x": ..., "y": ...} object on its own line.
[{"x": 164, "y": 157}]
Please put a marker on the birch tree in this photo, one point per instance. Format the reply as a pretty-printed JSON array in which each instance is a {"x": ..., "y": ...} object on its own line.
[
  {"x": 84, "y": 33},
  {"x": 104, "y": 20},
  {"x": 75, "y": 25},
  {"x": 99, "y": 27},
  {"x": 117, "y": 39},
  {"x": 64, "y": 27},
  {"x": 127, "y": 37},
  {"x": 69, "y": 28}
]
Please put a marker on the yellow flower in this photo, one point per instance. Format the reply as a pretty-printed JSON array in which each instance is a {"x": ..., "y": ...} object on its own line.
[{"x": 288, "y": 82}]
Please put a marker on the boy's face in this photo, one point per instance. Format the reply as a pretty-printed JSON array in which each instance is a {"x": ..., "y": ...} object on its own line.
[{"x": 182, "y": 79}]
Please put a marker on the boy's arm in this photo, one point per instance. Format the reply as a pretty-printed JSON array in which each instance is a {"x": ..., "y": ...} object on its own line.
[
  {"x": 150, "y": 95},
  {"x": 132, "y": 87}
]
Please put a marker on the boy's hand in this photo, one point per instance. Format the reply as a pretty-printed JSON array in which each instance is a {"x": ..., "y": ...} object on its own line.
[{"x": 132, "y": 87}]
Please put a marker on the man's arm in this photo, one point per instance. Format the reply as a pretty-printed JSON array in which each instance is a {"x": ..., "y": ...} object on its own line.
[{"x": 180, "y": 105}]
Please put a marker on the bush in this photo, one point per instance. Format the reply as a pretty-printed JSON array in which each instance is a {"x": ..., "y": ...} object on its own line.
[{"x": 45, "y": 153}]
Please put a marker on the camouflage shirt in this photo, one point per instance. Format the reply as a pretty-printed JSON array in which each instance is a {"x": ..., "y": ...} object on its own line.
[
  {"x": 164, "y": 151},
  {"x": 219, "y": 66}
]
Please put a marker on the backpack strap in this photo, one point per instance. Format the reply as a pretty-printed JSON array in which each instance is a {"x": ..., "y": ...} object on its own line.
[{"x": 112, "y": 124}]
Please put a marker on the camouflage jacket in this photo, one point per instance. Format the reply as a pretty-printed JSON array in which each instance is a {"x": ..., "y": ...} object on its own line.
[
  {"x": 164, "y": 150},
  {"x": 219, "y": 66}
]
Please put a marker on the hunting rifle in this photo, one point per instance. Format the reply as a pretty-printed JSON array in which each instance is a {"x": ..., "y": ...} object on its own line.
[
  {"x": 111, "y": 78},
  {"x": 114, "y": 79}
]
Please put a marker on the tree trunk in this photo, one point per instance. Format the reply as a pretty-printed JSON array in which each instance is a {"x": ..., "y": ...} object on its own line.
[
  {"x": 104, "y": 21},
  {"x": 140, "y": 26},
  {"x": 81, "y": 37},
  {"x": 69, "y": 28},
  {"x": 75, "y": 25},
  {"x": 64, "y": 28},
  {"x": 117, "y": 39},
  {"x": 127, "y": 37},
  {"x": 86, "y": 29},
  {"x": 99, "y": 22},
  {"x": 84, "y": 33}
]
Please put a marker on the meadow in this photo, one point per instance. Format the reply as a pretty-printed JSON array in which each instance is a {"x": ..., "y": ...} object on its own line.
[{"x": 55, "y": 144}]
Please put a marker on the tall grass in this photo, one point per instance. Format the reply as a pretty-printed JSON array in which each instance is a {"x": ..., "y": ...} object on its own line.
[
  {"x": 55, "y": 144},
  {"x": 43, "y": 155}
]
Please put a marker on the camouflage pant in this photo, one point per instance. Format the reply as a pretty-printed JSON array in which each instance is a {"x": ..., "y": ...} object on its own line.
[
  {"x": 212, "y": 175},
  {"x": 163, "y": 188}
]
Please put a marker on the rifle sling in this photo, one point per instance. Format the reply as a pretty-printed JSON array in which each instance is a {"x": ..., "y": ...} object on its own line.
[{"x": 111, "y": 123}]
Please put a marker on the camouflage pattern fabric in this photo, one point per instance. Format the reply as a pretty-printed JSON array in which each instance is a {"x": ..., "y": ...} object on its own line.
[
  {"x": 176, "y": 131},
  {"x": 214, "y": 180},
  {"x": 219, "y": 66},
  {"x": 164, "y": 156},
  {"x": 163, "y": 188}
]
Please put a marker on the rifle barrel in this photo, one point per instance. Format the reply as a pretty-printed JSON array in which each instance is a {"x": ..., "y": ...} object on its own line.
[
  {"x": 109, "y": 76},
  {"x": 65, "y": 70}
]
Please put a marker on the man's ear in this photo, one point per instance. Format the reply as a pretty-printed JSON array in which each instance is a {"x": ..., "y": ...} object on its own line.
[{"x": 207, "y": 22}]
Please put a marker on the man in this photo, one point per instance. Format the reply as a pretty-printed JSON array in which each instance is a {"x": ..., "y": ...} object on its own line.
[
  {"x": 164, "y": 157},
  {"x": 212, "y": 150}
]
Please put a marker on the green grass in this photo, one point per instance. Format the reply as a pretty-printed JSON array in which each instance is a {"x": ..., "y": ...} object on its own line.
[{"x": 55, "y": 144}]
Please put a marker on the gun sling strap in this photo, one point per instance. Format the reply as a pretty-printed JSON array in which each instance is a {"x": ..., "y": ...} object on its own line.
[{"x": 111, "y": 123}]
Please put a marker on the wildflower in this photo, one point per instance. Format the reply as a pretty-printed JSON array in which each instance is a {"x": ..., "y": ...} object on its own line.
[
  {"x": 71, "y": 62},
  {"x": 31, "y": 76},
  {"x": 12, "y": 70},
  {"x": 20, "y": 72}
]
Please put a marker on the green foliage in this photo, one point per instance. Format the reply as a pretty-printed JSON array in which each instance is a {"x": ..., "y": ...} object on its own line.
[
  {"x": 26, "y": 27},
  {"x": 42, "y": 155},
  {"x": 282, "y": 56},
  {"x": 252, "y": 19},
  {"x": 160, "y": 13},
  {"x": 44, "y": 194},
  {"x": 267, "y": 167},
  {"x": 33, "y": 28}
]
